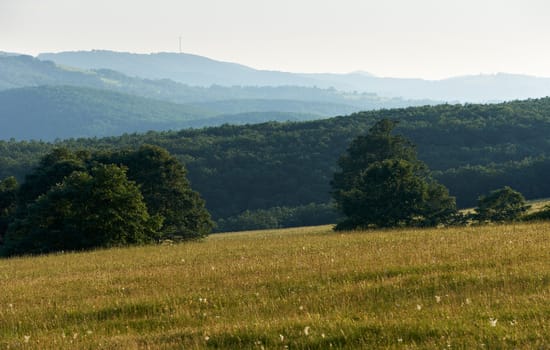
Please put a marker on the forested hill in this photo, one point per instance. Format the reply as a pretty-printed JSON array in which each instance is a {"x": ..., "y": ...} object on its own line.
[
  {"x": 50, "y": 112},
  {"x": 472, "y": 149},
  {"x": 26, "y": 71}
]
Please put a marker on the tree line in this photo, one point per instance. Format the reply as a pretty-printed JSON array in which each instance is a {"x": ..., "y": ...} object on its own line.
[
  {"x": 82, "y": 200},
  {"x": 255, "y": 169}
]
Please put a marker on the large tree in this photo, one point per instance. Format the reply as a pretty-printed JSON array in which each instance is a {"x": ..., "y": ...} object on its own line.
[
  {"x": 100, "y": 208},
  {"x": 80, "y": 200},
  {"x": 166, "y": 190},
  {"x": 383, "y": 184}
]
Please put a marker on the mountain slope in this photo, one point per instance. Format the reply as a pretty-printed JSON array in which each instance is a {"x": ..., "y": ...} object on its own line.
[
  {"x": 25, "y": 71},
  {"x": 48, "y": 113},
  {"x": 472, "y": 149},
  {"x": 184, "y": 68},
  {"x": 202, "y": 71}
]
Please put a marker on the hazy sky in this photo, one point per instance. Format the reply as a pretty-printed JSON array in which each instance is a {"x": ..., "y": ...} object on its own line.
[{"x": 406, "y": 38}]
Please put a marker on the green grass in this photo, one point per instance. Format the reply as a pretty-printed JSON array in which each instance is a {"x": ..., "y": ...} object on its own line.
[{"x": 307, "y": 288}]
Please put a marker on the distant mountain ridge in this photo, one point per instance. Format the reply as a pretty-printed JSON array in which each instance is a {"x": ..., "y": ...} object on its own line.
[
  {"x": 201, "y": 71},
  {"x": 25, "y": 71},
  {"x": 106, "y": 102}
]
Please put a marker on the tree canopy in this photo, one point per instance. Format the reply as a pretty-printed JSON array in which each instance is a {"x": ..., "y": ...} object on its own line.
[
  {"x": 82, "y": 200},
  {"x": 383, "y": 184},
  {"x": 504, "y": 204}
]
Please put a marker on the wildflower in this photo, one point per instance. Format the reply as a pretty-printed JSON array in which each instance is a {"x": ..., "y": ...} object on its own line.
[
  {"x": 282, "y": 337},
  {"x": 323, "y": 335},
  {"x": 89, "y": 332},
  {"x": 468, "y": 301},
  {"x": 493, "y": 322},
  {"x": 306, "y": 330},
  {"x": 399, "y": 340},
  {"x": 27, "y": 338},
  {"x": 513, "y": 322},
  {"x": 207, "y": 338},
  {"x": 418, "y": 307},
  {"x": 437, "y": 299}
]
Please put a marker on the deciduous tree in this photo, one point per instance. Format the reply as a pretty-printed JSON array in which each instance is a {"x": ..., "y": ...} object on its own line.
[{"x": 383, "y": 184}]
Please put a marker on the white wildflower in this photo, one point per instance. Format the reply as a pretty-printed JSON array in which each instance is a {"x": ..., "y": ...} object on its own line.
[
  {"x": 27, "y": 338},
  {"x": 437, "y": 299},
  {"x": 282, "y": 337},
  {"x": 493, "y": 322},
  {"x": 306, "y": 330},
  {"x": 418, "y": 307}
]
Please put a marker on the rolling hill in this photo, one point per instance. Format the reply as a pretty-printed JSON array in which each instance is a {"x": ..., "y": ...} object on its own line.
[
  {"x": 205, "y": 106},
  {"x": 55, "y": 112},
  {"x": 26, "y": 71},
  {"x": 202, "y": 71},
  {"x": 472, "y": 149},
  {"x": 48, "y": 113}
]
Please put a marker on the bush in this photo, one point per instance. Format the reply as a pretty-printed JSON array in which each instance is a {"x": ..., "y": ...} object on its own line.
[
  {"x": 543, "y": 214},
  {"x": 279, "y": 217},
  {"x": 501, "y": 205}
]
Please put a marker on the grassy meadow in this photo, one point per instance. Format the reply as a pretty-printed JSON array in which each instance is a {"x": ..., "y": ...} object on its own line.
[{"x": 306, "y": 288}]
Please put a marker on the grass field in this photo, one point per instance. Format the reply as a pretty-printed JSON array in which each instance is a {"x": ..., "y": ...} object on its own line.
[{"x": 308, "y": 288}]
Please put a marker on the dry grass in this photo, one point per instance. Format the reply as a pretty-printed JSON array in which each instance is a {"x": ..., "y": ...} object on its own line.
[{"x": 308, "y": 288}]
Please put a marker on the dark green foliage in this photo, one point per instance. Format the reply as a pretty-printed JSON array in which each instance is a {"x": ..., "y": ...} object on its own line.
[
  {"x": 83, "y": 200},
  {"x": 8, "y": 201},
  {"x": 280, "y": 217},
  {"x": 51, "y": 170},
  {"x": 101, "y": 208},
  {"x": 382, "y": 184},
  {"x": 167, "y": 192},
  {"x": 501, "y": 205}
]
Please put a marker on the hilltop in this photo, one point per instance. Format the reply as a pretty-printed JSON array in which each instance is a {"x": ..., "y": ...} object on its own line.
[{"x": 202, "y": 71}]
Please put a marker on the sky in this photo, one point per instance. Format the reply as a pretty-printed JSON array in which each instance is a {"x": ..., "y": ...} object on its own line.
[{"x": 430, "y": 39}]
